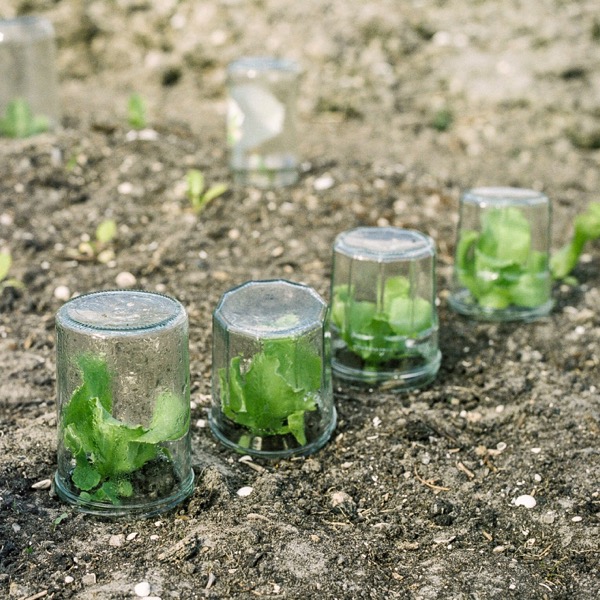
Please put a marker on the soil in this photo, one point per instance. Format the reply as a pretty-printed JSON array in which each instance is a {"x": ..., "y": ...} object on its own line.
[{"x": 403, "y": 105}]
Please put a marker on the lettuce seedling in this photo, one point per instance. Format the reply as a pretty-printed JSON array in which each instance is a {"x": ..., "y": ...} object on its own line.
[
  {"x": 136, "y": 112},
  {"x": 106, "y": 450},
  {"x": 5, "y": 281},
  {"x": 586, "y": 228},
  {"x": 280, "y": 385},
  {"x": 197, "y": 193},
  {"x": 20, "y": 122},
  {"x": 377, "y": 332},
  {"x": 498, "y": 265}
]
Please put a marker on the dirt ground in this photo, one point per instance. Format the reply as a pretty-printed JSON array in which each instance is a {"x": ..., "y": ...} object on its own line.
[{"x": 403, "y": 105}]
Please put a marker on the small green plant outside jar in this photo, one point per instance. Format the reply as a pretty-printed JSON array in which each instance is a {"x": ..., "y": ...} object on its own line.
[
  {"x": 272, "y": 392},
  {"x": 383, "y": 318},
  {"x": 502, "y": 257},
  {"x": 123, "y": 403}
]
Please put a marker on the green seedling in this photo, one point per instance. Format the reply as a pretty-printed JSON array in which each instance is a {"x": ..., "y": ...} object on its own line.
[
  {"x": 20, "y": 122},
  {"x": 5, "y": 281},
  {"x": 377, "y": 332},
  {"x": 499, "y": 267},
  {"x": 586, "y": 228},
  {"x": 197, "y": 193},
  {"x": 107, "y": 451},
  {"x": 99, "y": 248},
  {"x": 59, "y": 520},
  {"x": 136, "y": 112},
  {"x": 272, "y": 396}
]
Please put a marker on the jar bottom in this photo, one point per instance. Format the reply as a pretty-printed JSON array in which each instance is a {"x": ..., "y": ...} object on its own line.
[
  {"x": 265, "y": 179},
  {"x": 387, "y": 379},
  {"x": 274, "y": 453},
  {"x": 463, "y": 303},
  {"x": 129, "y": 509}
]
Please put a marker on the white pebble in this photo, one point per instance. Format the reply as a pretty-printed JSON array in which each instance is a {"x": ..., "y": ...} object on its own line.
[
  {"x": 245, "y": 491},
  {"x": 324, "y": 183},
  {"x": 69, "y": 579},
  {"x": 526, "y": 500},
  {"x": 577, "y": 519},
  {"x": 62, "y": 292},
  {"x": 131, "y": 536},
  {"x": 43, "y": 484},
  {"x": 537, "y": 478},
  {"x": 154, "y": 537},
  {"x": 142, "y": 589},
  {"x": 201, "y": 423},
  {"x": 376, "y": 422},
  {"x": 501, "y": 446},
  {"x": 125, "y": 279},
  {"x": 536, "y": 450},
  {"x": 125, "y": 188},
  {"x": 116, "y": 540}
]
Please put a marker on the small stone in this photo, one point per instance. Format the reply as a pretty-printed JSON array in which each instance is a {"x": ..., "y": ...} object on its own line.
[
  {"x": 16, "y": 527},
  {"x": 201, "y": 423},
  {"x": 154, "y": 537},
  {"x": 142, "y": 589},
  {"x": 89, "y": 579},
  {"x": 116, "y": 540},
  {"x": 62, "y": 292},
  {"x": 125, "y": 188},
  {"x": 526, "y": 500},
  {"x": 577, "y": 519},
  {"x": 125, "y": 279},
  {"x": 132, "y": 536},
  {"x": 536, "y": 450},
  {"x": 69, "y": 579},
  {"x": 324, "y": 183},
  {"x": 537, "y": 478},
  {"x": 44, "y": 484},
  {"x": 343, "y": 503},
  {"x": 245, "y": 491}
]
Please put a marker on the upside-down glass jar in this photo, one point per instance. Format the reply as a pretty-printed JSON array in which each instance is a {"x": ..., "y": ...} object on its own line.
[
  {"x": 383, "y": 321},
  {"x": 502, "y": 257},
  {"x": 271, "y": 378},
  {"x": 123, "y": 403},
  {"x": 29, "y": 101},
  {"x": 261, "y": 121}
]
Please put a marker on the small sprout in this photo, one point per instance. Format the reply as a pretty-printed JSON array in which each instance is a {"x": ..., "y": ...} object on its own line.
[
  {"x": 136, "y": 111},
  {"x": 442, "y": 120},
  {"x": 59, "y": 520},
  {"x": 5, "y": 264},
  {"x": 99, "y": 249},
  {"x": 19, "y": 120},
  {"x": 197, "y": 193}
]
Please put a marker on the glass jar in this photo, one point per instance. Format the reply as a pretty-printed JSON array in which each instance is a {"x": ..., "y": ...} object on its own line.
[
  {"x": 271, "y": 381},
  {"x": 29, "y": 93},
  {"x": 384, "y": 324},
  {"x": 502, "y": 257},
  {"x": 123, "y": 397},
  {"x": 261, "y": 121}
]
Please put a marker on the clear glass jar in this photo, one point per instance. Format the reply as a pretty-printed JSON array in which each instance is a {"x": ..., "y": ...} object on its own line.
[
  {"x": 123, "y": 398},
  {"x": 384, "y": 324},
  {"x": 29, "y": 101},
  {"x": 271, "y": 378},
  {"x": 261, "y": 121},
  {"x": 501, "y": 263}
]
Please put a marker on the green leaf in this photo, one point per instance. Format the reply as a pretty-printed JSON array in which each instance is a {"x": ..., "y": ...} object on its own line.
[
  {"x": 84, "y": 476},
  {"x": 506, "y": 235},
  {"x": 106, "y": 231},
  {"x": 195, "y": 186},
  {"x": 394, "y": 287},
  {"x": 170, "y": 419},
  {"x": 19, "y": 120},
  {"x": 5, "y": 264},
  {"x": 279, "y": 386},
  {"x": 214, "y": 191},
  {"x": 136, "y": 111},
  {"x": 410, "y": 316}
]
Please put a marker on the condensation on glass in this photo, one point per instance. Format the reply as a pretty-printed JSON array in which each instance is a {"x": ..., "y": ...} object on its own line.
[
  {"x": 502, "y": 256},
  {"x": 271, "y": 378},
  {"x": 123, "y": 394},
  {"x": 261, "y": 121},
  {"x": 29, "y": 101},
  {"x": 383, "y": 318}
]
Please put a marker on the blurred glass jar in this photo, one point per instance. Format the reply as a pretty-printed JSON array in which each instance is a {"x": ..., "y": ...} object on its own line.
[
  {"x": 123, "y": 403},
  {"x": 502, "y": 258},
  {"x": 261, "y": 121},
  {"x": 29, "y": 101},
  {"x": 384, "y": 324},
  {"x": 271, "y": 379}
]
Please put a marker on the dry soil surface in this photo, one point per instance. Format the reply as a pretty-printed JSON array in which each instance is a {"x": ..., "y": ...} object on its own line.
[{"x": 403, "y": 105}]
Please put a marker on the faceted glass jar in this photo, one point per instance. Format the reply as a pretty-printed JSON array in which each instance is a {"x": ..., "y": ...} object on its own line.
[
  {"x": 271, "y": 381},
  {"x": 29, "y": 92},
  {"x": 261, "y": 121},
  {"x": 123, "y": 403},
  {"x": 501, "y": 263},
  {"x": 384, "y": 324}
]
